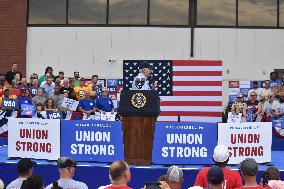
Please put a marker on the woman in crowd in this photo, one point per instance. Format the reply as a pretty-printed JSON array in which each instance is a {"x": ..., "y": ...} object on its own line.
[
  {"x": 50, "y": 105},
  {"x": 253, "y": 111}
]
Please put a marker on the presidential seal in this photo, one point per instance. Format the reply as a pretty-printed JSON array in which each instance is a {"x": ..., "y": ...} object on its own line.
[{"x": 138, "y": 100}]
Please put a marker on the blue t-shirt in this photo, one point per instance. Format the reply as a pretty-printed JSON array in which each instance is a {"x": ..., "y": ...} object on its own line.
[
  {"x": 24, "y": 100},
  {"x": 274, "y": 83},
  {"x": 87, "y": 104},
  {"x": 104, "y": 104}
]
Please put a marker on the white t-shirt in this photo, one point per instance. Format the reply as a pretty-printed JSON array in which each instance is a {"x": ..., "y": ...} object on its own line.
[
  {"x": 266, "y": 92},
  {"x": 69, "y": 184},
  {"x": 16, "y": 184},
  {"x": 268, "y": 107},
  {"x": 279, "y": 108}
]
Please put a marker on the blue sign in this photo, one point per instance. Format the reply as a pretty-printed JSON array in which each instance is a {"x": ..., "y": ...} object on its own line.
[
  {"x": 54, "y": 115},
  {"x": 232, "y": 98},
  {"x": 244, "y": 91},
  {"x": 184, "y": 143},
  {"x": 112, "y": 82},
  {"x": 28, "y": 109},
  {"x": 9, "y": 103},
  {"x": 278, "y": 122},
  {"x": 92, "y": 140}
]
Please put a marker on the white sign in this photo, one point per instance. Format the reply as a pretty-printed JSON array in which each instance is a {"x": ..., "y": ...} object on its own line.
[
  {"x": 108, "y": 116},
  {"x": 246, "y": 140},
  {"x": 234, "y": 118},
  {"x": 34, "y": 138},
  {"x": 70, "y": 103}
]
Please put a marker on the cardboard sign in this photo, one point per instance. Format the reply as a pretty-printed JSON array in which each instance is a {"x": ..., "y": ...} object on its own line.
[
  {"x": 246, "y": 140},
  {"x": 34, "y": 138},
  {"x": 70, "y": 103},
  {"x": 234, "y": 118}
]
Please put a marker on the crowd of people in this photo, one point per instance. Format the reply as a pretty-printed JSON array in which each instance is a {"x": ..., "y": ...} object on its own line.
[
  {"x": 47, "y": 93},
  {"x": 263, "y": 103},
  {"x": 215, "y": 177}
]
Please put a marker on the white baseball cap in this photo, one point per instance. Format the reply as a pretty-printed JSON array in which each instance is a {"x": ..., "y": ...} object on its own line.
[{"x": 221, "y": 153}]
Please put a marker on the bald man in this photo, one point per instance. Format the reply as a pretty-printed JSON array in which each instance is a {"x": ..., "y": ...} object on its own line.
[
  {"x": 87, "y": 105},
  {"x": 119, "y": 174}
]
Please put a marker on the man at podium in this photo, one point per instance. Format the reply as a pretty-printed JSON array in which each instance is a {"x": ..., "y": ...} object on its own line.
[{"x": 144, "y": 80}]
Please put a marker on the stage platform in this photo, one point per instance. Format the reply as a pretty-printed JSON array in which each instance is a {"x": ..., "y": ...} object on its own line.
[{"x": 96, "y": 174}]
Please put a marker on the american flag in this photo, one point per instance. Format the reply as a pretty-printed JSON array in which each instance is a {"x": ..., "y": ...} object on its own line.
[{"x": 189, "y": 89}]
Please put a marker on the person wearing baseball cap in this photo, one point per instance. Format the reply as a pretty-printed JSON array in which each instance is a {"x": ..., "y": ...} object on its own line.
[
  {"x": 25, "y": 170},
  {"x": 221, "y": 159},
  {"x": 80, "y": 90},
  {"x": 174, "y": 177},
  {"x": 215, "y": 178},
  {"x": 67, "y": 167},
  {"x": 141, "y": 81},
  {"x": 249, "y": 170},
  {"x": 239, "y": 105}
]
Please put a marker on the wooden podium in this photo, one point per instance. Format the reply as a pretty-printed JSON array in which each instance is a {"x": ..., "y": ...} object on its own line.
[{"x": 139, "y": 110}]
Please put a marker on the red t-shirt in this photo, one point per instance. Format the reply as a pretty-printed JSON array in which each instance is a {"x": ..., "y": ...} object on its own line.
[
  {"x": 253, "y": 187},
  {"x": 232, "y": 178},
  {"x": 118, "y": 187}
]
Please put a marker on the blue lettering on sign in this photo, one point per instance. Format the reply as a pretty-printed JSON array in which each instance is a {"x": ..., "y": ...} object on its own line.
[
  {"x": 184, "y": 142},
  {"x": 99, "y": 141}
]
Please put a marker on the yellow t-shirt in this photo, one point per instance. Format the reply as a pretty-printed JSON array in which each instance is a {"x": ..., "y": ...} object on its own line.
[{"x": 80, "y": 91}]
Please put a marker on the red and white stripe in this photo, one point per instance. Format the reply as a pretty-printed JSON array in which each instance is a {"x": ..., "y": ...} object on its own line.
[{"x": 197, "y": 92}]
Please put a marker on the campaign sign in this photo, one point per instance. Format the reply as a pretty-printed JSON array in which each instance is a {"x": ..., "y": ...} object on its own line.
[
  {"x": 246, "y": 140},
  {"x": 28, "y": 109},
  {"x": 232, "y": 98},
  {"x": 99, "y": 141},
  {"x": 34, "y": 138},
  {"x": 54, "y": 115},
  {"x": 234, "y": 118},
  {"x": 244, "y": 91},
  {"x": 278, "y": 122},
  {"x": 184, "y": 143},
  {"x": 112, "y": 82},
  {"x": 234, "y": 84},
  {"x": 70, "y": 104},
  {"x": 9, "y": 103}
]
